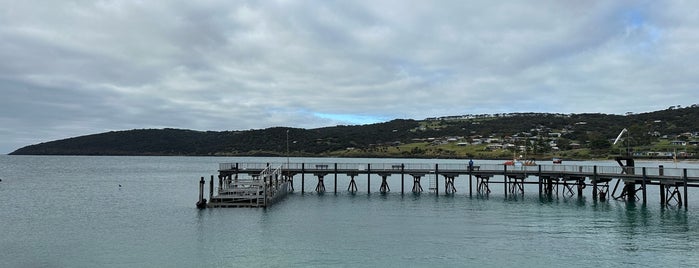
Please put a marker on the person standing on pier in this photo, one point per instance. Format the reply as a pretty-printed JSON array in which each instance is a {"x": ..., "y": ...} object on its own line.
[{"x": 470, "y": 165}]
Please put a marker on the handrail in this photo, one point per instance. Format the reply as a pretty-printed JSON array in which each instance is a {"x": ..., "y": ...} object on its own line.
[{"x": 692, "y": 174}]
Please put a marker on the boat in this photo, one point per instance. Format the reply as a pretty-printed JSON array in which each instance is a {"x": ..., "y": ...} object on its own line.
[
  {"x": 530, "y": 162},
  {"x": 557, "y": 161},
  {"x": 517, "y": 162}
]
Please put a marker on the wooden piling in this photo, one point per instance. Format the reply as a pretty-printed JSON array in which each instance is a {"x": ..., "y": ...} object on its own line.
[
  {"x": 303, "y": 182},
  {"x": 211, "y": 188},
  {"x": 436, "y": 179},
  {"x": 352, "y": 188},
  {"x": 661, "y": 172},
  {"x": 368, "y": 178},
  {"x": 470, "y": 184},
  {"x": 504, "y": 179},
  {"x": 684, "y": 177},
  {"x": 594, "y": 183},
  {"x": 539, "y": 181},
  {"x": 402, "y": 178},
  {"x": 202, "y": 202},
  {"x": 384, "y": 184},
  {"x": 336, "y": 178},
  {"x": 201, "y": 189},
  {"x": 220, "y": 181},
  {"x": 643, "y": 184},
  {"x": 320, "y": 187}
]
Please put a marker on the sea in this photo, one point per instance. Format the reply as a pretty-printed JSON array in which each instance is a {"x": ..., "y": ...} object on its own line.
[{"x": 126, "y": 211}]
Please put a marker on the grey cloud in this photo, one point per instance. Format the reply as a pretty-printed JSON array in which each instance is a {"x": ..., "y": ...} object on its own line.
[{"x": 81, "y": 67}]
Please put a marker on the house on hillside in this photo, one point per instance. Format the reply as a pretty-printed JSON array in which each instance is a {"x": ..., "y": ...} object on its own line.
[
  {"x": 678, "y": 143},
  {"x": 494, "y": 146},
  {"x": 554, "y": 135}
]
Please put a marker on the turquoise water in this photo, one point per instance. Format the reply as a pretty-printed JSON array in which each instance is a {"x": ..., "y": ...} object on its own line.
[{"x": 71, "y": 212}]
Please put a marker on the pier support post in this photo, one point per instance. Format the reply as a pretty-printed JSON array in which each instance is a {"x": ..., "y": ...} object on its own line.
[
  {"x": 417, "y": 188},
  {"x": 402, "y": 178},
  {"x": 539, "y": 181},
  {"x": 629, "y": 191},
  {"x": 594, "y": 183},
  {"x": 672, "y": 193},
  {"x": 470, "y": 184},
  {"x": 202, "y": 202},
  {"x": 211, "y": 188},
  {"x": 320, "y": 187},
  {"x": 568, "y": 187},
  {"x": 483, "y": 187},
  {"x": 449, "y": 184},
  {"x": 436, "y": 179},
  {"x": 684, "y": 177},
  {"x": 220, "y": 182},
  {"x": 352, "y": 188},
  {"x": 384, "y": 185},
  {"x": 368, "y": 178},
  {"x": 290, "y": 179},
  {"x": 550, "y": 184},
  {"x": 303, "y": 177},
  {"x": 504, "y": 178},
  {"x": 643, "y": 184},
  {"x": 516, "y": 184},
  {"x": 335, "y": 184},
  {"x": 661, "y": 172}
]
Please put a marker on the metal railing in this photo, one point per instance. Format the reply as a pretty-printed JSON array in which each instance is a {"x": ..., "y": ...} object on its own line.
[{"x": 692, "y": 174}]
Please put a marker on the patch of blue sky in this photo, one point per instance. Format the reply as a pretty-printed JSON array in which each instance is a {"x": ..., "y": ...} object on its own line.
[
  {"x": 351, "y": 119},
  {"x": 634, "y": 18},
  {"x": 642, "y": 35}
]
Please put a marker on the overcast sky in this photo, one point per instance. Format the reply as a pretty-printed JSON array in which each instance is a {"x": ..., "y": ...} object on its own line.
[{"x": 71, "y": 68}]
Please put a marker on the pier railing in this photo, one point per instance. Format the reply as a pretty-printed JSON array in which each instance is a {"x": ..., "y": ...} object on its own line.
[{"x": 692, "y": 174}]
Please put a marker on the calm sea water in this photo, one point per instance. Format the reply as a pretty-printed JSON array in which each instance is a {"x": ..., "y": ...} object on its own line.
[{"x": 71, "y": 212}]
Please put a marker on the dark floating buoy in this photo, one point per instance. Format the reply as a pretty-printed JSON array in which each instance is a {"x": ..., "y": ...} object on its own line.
[{"x": 119, "y": 185}]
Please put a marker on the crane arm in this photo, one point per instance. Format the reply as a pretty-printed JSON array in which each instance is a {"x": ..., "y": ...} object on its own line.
[{"x": 620, "y": 134}]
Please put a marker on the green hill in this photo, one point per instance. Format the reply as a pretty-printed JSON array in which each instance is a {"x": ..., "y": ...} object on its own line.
[{"x": 487, "y": 136}]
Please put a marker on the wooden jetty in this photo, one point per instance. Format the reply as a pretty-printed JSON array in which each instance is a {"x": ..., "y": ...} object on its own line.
[{"x": 570, "y": 179}]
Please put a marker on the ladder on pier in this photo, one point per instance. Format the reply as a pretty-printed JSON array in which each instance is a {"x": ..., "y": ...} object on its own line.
[{"x": 433, "y": 182}]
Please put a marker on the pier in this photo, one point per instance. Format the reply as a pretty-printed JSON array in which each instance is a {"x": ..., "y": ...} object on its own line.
[{"x": 626, "y": 181}]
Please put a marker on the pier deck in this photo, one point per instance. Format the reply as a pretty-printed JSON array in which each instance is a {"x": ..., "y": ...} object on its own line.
[{"x": 548, "y": 177}]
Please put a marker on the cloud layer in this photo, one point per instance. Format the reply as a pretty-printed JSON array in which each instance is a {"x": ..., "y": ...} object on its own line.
[{"x": 78, "y": 67}]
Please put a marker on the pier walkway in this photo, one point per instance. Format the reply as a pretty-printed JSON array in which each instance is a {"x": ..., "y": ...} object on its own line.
[{"x": 551, "y": 179}]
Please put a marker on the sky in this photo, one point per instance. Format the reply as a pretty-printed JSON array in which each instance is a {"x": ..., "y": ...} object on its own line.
[{"x": 72, "y": 68}]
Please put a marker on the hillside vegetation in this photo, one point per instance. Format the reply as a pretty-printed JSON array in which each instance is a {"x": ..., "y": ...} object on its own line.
[{"x": 539, "y": 135}]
